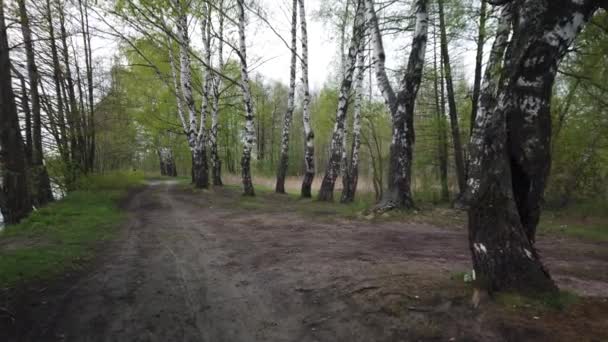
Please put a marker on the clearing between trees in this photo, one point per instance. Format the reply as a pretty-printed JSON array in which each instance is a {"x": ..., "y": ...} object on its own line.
[{"x": 212, "y": 265}]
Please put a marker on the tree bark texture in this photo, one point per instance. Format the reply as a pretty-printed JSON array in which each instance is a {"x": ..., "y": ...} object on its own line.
[
  {"x": 442, "y": 139},
  {"x": 481, "y": 38},
  {"x": 309, "y": 136},
  {"x": 193, "y": 131},
  {"x": 75, "y": 121},
  {"x": 510, "y": 146},
  {"x": 216, "y": 162},
  {"x": 249, "y": 137},
  {"x": 15, "y": 200},
  {"x": 401, "y": 105},
  {"x": 284, "y": 152},
  {"x": 350, "y": 177},
  {"x": 326, "y": 193},
  {"x": 40, "y": 184},
  {"x": 456, "y": 141}
]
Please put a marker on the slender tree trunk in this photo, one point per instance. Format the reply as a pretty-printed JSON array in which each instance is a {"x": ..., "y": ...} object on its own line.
[
  {"x": 481, "y": 38},
  {"x": 511, "y": 144},
  {"x": 350, "y": 177},
  {"x": 326, "y": 193},
  {"x": 401, "y": 106},
  {"x": 216, "y": 162},
  {"x": 161, "y": 161},
  {"x": 15, "y": 202},
  {"x": 249, "y": 138},
  {"x": 41, "y": 185},
  {"x": 442, "y": 141},
  {"x": 201, "y": 139},
  {"x": 199, "y": 172},
  {"x": 86, "y": 38},
  {"x": 284, "y": 153},
  {"x": 309, "y": 136},
  {"x": 458, "y": 155},
  {"x": 74, "y": 119},
  {"x": 167, "y": 162},
  {"x": 28, "y": 121}
]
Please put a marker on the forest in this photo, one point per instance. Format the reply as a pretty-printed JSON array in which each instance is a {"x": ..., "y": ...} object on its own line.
[{"x": 304, "y": 170}]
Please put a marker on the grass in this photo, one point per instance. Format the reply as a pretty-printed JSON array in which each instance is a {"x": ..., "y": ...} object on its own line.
[
  {"x": 553, "y": 301},
  {"x": 586, "y": 219},
  {"x": 266, "y": 198},
  {"x": 61, "y": 236}
]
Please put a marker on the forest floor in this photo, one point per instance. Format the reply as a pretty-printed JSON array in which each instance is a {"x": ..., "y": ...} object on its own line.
[{"x": 214, "y": 266}]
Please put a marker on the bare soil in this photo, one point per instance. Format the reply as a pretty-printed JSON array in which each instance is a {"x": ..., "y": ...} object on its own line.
[{"x": 202, "y": 266}]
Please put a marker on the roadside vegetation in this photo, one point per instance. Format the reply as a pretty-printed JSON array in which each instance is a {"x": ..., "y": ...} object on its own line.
[{"x": 63, "y": 235}]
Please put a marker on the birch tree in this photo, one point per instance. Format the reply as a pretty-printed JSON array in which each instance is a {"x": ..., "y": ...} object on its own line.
[
  {"x": 309, "y": 136},
  {"x": 481, "y": 39},
  {"x": 510, "y": 145},
  {"x": 284, "y": 152},
  {"x": 194, "y": 131},
  {"x": 350, "y": 177},
  {"x": 14, "y": 196},
  {"x": 216, "y": 162},
  {"x": 249, "y": 134},
  {"x": 332, "y": 170},
  {"x": 401, "y": 106}
]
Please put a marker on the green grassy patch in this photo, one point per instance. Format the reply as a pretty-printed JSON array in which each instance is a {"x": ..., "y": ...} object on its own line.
[
  {"x": 62, "y": 235},
  {"x": 564, "y": 223},
  {"x": 553, "y": 301}
]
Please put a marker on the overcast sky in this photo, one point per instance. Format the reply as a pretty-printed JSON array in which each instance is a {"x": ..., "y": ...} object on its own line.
[{"x": 268, "y": 55}]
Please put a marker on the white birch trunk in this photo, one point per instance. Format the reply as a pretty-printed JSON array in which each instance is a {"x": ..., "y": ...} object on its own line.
[
  {"x": 199, "y": 170},
  {"x": 309, "y": 149},
  {"x": 176, "y": 88},
  {"x": 350, "y": 177},
  {"x": 336, "y": 147},
  {"x": 217, "y": 85},
  {"x": 401, "y": 106},
  {"x": 249, "y": 136},
  {"x": 511, "y": 146},
  {"x": 284, "y": 153}
]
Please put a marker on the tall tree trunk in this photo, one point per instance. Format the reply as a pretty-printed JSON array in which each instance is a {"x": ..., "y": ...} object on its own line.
[
  {"x": 401, "y": 106},
  {"x": 481, "y": 39},
  {"x": 201, "y": 138},
  {"x": 60, "y": 121},
  {"x": 15, "y": 201},
  {"x": 216, "y": 162},
  {"x": 284, "y": 153},
  {"x": 445, "y": 57},
  {"x": 161, "y": 161},
  {"x": 309, "y": 136},
  {"x": 28, "y": 120},
  {"x": 442, "y": 141},
  {"x": 167, "y": 162},
  {"x": 74, "y": 120},
  {"x": 41, "y": 185},
  {"x": 249, "y": 137},
  {"x": 326, "y": 193},
  {"x": 86, "y": 38},
  {"x": 199, "y": 172},
  {"x": 511, "y": 143},
  {"x": 350, "y": 177}
]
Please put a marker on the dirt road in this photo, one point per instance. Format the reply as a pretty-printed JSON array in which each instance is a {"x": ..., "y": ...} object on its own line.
[{"x": 198, "y": 266}]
